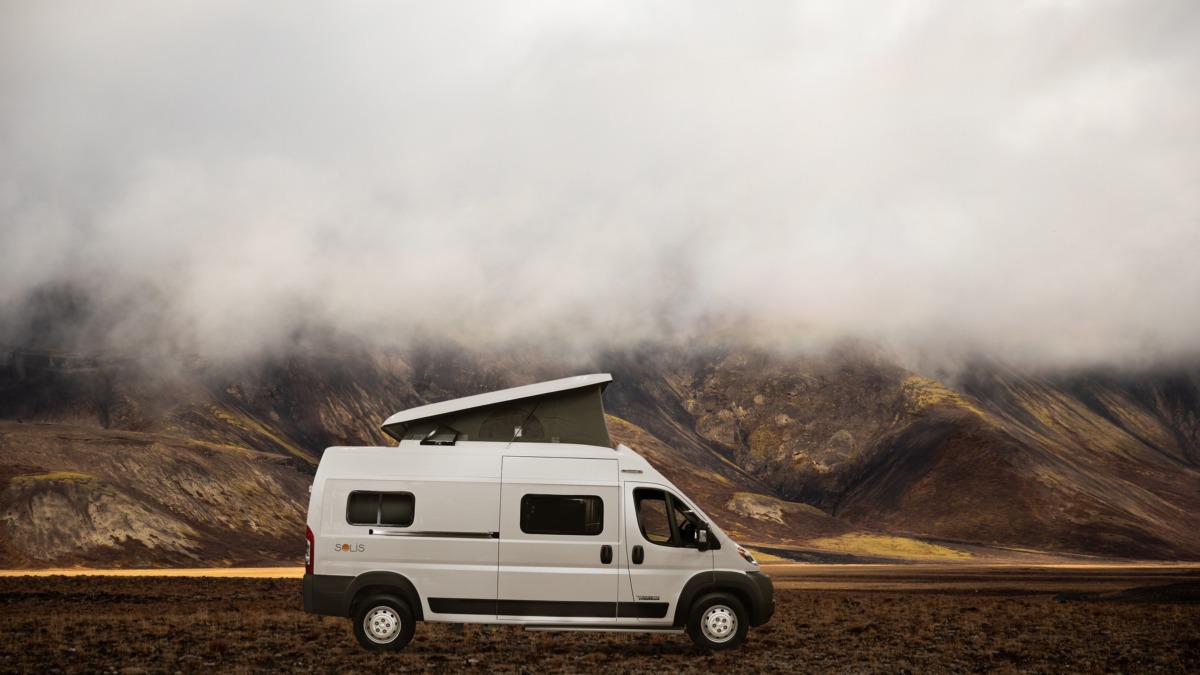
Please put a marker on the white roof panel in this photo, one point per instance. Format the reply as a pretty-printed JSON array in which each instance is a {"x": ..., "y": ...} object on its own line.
[{"x": 502, "y": 396}]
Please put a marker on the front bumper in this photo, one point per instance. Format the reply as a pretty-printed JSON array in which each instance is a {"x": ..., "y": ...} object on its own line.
[{"x": 764, "y": 608}]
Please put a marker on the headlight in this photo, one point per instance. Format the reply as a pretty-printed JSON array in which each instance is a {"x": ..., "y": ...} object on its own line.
[{"x": 746, "y": 554}]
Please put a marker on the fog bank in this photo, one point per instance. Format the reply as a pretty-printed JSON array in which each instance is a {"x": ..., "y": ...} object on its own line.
[{"x": 1019, "y": 179}]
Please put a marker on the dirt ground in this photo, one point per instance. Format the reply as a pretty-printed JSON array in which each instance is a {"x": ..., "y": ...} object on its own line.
[{"x": 838, "y": 619}]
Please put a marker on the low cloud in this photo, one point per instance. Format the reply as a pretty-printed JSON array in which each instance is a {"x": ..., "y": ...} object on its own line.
[{"x": 1013, "y": 178}]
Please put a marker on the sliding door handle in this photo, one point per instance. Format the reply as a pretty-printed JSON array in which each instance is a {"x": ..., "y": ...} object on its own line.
[{"x": 606, "y": 554}]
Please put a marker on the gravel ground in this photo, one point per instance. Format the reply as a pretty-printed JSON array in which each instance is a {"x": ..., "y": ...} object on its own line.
[{"x": 187, "y": 625}]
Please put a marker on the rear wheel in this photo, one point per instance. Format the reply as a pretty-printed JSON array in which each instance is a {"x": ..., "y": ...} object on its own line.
[
  {"x": 383, "y": 623},
  {"x": 718, "y": 621}
]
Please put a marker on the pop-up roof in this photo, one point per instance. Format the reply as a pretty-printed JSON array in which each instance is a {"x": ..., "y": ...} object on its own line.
[{"x": 569, "y": 410}]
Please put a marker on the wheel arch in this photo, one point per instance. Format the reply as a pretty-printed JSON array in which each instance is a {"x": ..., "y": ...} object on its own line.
[
  {"x": 371, "y": 583},
  {"x": 737, "y": 584}
]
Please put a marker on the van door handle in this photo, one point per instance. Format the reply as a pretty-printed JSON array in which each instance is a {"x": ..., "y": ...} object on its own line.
[
  {"x": 638, "y": 555},
  {"x": 606, "y": 554}
]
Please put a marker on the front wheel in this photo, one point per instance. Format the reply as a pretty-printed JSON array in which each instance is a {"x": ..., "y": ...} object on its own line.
[
  {"x": 383, "y": 623},
  {"x": 717, "y": 621}
]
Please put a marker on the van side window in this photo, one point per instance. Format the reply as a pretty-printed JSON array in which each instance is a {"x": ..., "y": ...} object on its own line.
[
  {"x": 391, "y": 509},
  {"x": 664, "y": 519},
  {"x": 562, "y": 514}
]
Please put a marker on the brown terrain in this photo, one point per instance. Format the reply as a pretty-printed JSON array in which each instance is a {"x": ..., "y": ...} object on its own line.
[
  {"x": 842, "y": 456},
  {"x": 843, "y": 618}
]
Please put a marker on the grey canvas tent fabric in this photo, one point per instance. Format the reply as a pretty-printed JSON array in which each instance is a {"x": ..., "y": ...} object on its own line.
[{"x": 572, "y": 416}]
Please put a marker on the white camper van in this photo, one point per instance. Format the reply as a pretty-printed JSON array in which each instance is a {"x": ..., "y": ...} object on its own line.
[{"x": 513, "y": 507}]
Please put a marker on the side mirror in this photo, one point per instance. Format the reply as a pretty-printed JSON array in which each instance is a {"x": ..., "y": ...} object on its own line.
[{"x": 702, "y": 539}]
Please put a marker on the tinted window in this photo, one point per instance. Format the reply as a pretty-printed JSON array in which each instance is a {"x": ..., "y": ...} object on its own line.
[
  {"x": 392, "y": 509},
  {"x": 562, "y": 514},
  {"x": 665, "y": 520},
  {"x": 687, "y": 523},
  {"x": 652, "y": 516},
  {"x": 396, "y": 509}
]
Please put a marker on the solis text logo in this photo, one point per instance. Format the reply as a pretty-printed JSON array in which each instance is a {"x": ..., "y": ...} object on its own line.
[{"x": 349, "y": 548}]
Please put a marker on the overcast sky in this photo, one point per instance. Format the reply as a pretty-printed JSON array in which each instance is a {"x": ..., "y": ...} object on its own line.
[{"x": 1022, "y": 178}]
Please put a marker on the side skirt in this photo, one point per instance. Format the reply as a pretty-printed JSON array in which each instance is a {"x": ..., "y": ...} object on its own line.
[
  {"x": 518, "y": 608},
  {"x": 601, "y": 628}
]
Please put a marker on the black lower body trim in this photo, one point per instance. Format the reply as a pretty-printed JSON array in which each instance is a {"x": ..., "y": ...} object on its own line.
[
  {"x": 461, "y": 606},
  {"x": 325, "y": 594},
  {"x": 641, "y": 610},
  {"x": 623, "y": 610}
]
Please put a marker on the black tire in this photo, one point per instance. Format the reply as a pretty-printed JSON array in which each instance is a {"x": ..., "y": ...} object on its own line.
[
  {"x": 718, "y": 621},
  {"x": 383, "y": 623}
]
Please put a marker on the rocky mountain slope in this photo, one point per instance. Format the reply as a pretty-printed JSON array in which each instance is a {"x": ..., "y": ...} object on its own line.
[
  {"x": 1094, "y": 463},
  {"x": 75, "y": 495},
  {"x": 838, "y": 455}
]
